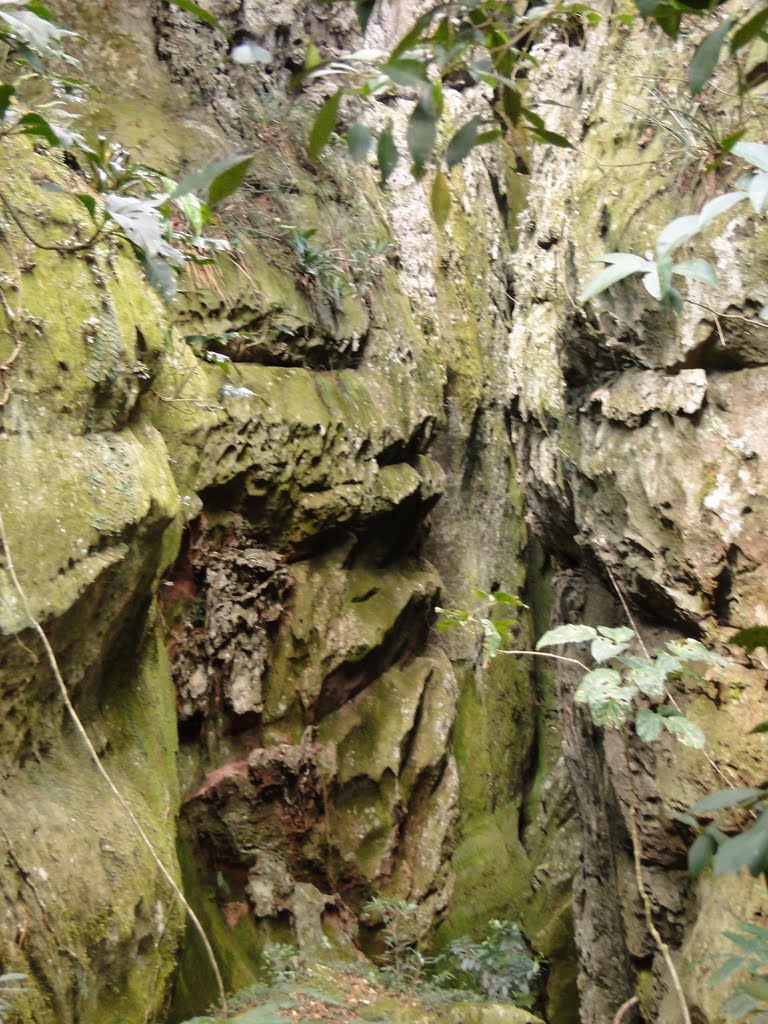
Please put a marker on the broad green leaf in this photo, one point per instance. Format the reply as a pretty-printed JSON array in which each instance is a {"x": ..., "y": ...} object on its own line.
[
  {"x": 689, "y": 734},
  {"x": 649, "y": 678},
  {"x": 197, "y": 10},
  {"x": 364, "y": 9},
  {"x": 462, "y": 142},
  {"x": 88, "y": 202},
  {"x": 160, "y": 276},
  {"x": 739, "y": 1005},
  {"x": 502, "y": 597},
  {"x": 762, "y": 727},
  {"x": 387, "y": 154},
  {"x": 34, "y": 124},
  {"x": 621, "y": 634},
  {"x": 700, "y": 854},
  {"x": 602, "y": 648},
  {"x": 749, "y": 30},
  {"x": 440, "y": 199},
  {"x": 711, "y": 210},
  {"x": 755, "y": 153},
  {"x": 218, "y": 171},
  {"x": 611, "y": 275},
  {"x": 324, "y": 124},
  {"x": 751, "y": 638},
  {"x": 491, "y": 636},
  {"x": 726, "y": 970},
  {"x": 725, "y": 798},
  {"x": 706, "y": 56},
  {"x": 758, "y": 192},
  {"x": 746, "y": 850},
  {"x": 359, "y": 141},
  {"x": 648, "y": 725},
  {"x": 694, "y": 650},
  {"x": 407, "y": 72},
  {"x": 247, "y": 51},
  {"x": 569, "y": 634},
  {"x": 40, "y": 34},
  {"x": 677, "y": 233},
  {"x": 422, "y": 128},
  {"x": 757, "y": 988},
  {"x": 600, "y": 685},
  {"x": 551, "y": 138},
  {"x": 6, "y": 93},
  {"x": 697, "y": 270},
  {"x": 611, "y": 713}
]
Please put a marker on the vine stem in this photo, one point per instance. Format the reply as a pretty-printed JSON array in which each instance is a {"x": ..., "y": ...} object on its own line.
[
  {"x": 80, "y": 729},
  {"x": 546, "y": 654},
  {"x": 619, "y": 1016},
  {"x": 660, "y": 943},
  {"x": 66, "y": 247}
]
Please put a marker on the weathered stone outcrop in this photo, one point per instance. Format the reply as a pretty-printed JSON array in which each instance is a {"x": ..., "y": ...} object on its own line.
[
  {"x": 639, "y": 433},
  {"x": 252, "y": 536}
]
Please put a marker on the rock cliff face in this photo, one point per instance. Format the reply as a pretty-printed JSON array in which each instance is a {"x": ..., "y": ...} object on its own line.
[{"x": 237, "y": 561}]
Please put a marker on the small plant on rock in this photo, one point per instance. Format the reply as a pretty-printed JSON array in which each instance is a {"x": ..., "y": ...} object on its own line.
[{"x": 501, "y": 966}]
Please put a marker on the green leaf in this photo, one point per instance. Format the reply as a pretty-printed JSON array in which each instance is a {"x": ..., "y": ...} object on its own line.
[
  {"x": 648, "y": 725},
  {"x": 602, "y": 648},
  {"x": 677, "y": 233},
  {"x": 758, "y": 192},
  {"x": 746, "y": 850},
  {"x": 422, "y": 128},
  {"x": 219, "y": 178},
  {"x": 88, "y": 202},
  {"x": 34, "y": 124},
  {"x": 621, "y": 634},
  {"x": 751, "y": 638},
  {"x": 502, "y": 597},
  {"x": 725, "y": 798},
  {"x": 650, "y": 678},
  {"x": 492, "y": 637},
  {"x": 387, "y": 154},
  {"x": 726, "y": 970},
  {"x": 622, "y": 264},
  {"x": 755, "y": 153},
  {"x": 612, "y": 713},
  {"x": 6, "y": 93},
  {"x": 406, "y": 72},
  {"x": 511, "y": 104},
  {"x": 197, "y": 10},
  {"x": 364, "y": 9},
  {"x": 601, "y": 685},
  {"x": 697, "y": 270},
  {"x": 757, "y": 988},
  {"x": 700, "y": 854},
  {"x": 359, "y": 141},
  {"x": 324, "y": 124},
  {"x": 706, "y": 56},
  {"x": 762, "y": 727},
  {"x": 749, "y": 30},
  {"x": 715, "y": 207},
  {"x": 551, "y": 138},
  {"x": 462, "y": 142},
  {"x": 689, "y": 734},
  {"x": 440, "y": 199},
  {"x": 575, "y": 633},
  {"x": 160, "y": 276},
  {"x": 739, "y": 1005},
  {"x": 693, "y": 650}
]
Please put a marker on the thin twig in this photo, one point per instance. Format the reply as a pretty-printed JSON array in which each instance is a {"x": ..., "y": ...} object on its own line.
[
  {"x": 80, "y": 729},
  {"x": 66, "y": 247},
  {"x": 624, "y": 1007},
  {"x": 660, "y": 943},
  {"x": 546, "y": 654},
  {"x": 729, "y": 316}
]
